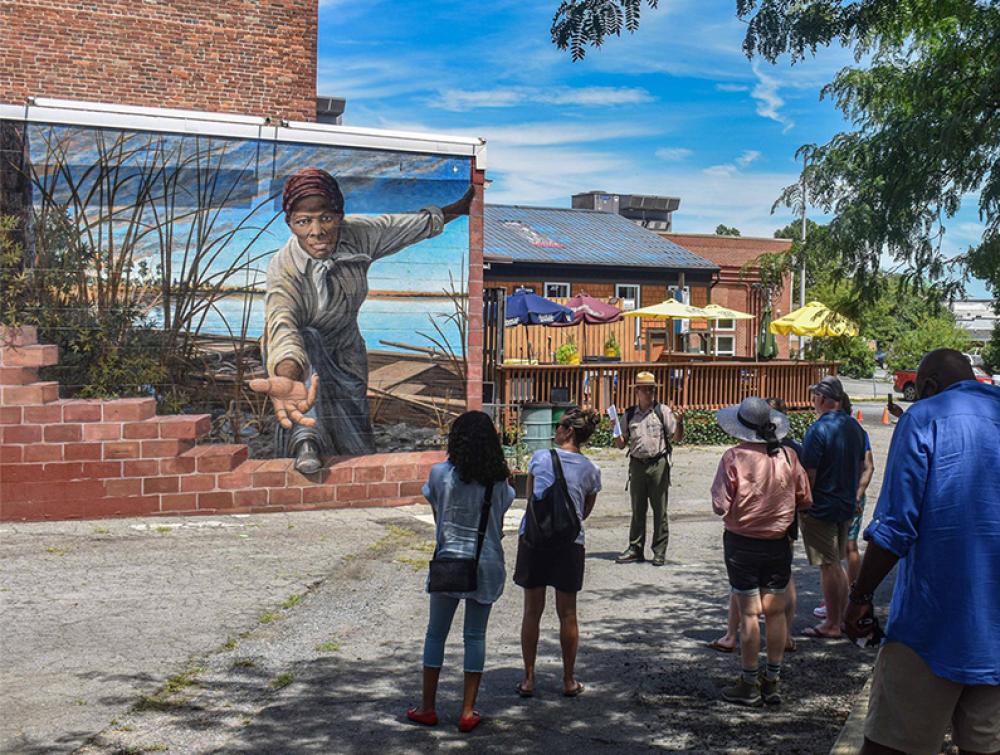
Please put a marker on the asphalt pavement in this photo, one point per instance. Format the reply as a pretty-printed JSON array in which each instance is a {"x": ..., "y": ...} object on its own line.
[{"x": 290, "y": 633}]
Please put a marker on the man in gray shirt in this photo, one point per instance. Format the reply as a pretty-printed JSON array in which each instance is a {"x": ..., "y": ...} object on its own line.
[{"x": 647, "y": 429}]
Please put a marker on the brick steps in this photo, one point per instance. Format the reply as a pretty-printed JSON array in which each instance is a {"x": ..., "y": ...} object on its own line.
[{"x": 87, "y": 458}]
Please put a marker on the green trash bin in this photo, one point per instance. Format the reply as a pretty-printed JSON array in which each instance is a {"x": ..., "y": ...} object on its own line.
[
  {"x": 558, "y": 410},
  {"x": 537, "y": 422}
]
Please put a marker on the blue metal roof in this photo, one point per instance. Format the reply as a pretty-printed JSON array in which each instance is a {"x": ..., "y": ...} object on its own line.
[{"x": 579, "y": 237}]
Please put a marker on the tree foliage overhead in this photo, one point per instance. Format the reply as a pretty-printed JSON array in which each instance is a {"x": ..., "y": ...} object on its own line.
[{"x": 925, "y": 112}]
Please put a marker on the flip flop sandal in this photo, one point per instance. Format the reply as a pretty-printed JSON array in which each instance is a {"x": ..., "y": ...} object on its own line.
[
  {"x": 716, "y": 645},
  {"x": 575, "y": 692},
  {"x": 522, "y": 692},
  {"x": 815, "y": 634}
]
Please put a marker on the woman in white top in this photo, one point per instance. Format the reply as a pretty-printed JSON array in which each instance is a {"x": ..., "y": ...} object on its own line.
[{"x": 560, "y": 567}]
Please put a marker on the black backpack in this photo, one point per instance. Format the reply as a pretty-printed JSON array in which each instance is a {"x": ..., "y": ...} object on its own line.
[
  {"x": 552, "y": 520},
  {"x": 658, "y": 408}
]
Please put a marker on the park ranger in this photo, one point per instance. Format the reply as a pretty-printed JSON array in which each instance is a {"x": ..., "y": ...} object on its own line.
[{"x": 648, "y": 429}]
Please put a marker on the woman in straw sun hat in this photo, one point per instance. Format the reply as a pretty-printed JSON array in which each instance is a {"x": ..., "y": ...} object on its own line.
[{"x": 758, "y": 488}]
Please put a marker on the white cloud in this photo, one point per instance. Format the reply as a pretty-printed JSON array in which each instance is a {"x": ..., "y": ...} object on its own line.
[
  {"x": 769, "y": 102},
  {"x": 747, "y": 157},
  {"x": 732, "y": 88},
  {"x": 500, "y": 97},
  {"x": 673, "y": 154}
]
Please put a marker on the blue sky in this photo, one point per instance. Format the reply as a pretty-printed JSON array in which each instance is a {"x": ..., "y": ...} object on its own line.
[{"x": 675, "y": 109}]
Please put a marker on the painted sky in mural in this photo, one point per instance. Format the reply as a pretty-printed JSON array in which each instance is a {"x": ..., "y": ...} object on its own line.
[{"x": 207, "y": 210}]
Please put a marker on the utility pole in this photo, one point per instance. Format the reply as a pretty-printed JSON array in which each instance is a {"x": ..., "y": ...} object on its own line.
[{"x": 802, "y": 271}]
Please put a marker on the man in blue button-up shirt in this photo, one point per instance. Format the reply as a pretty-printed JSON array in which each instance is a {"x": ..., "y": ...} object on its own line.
[{"x": 938, "y": 515}]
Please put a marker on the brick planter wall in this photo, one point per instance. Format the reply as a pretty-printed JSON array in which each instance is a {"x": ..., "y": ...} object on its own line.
[{"x": 78, "y": 459}]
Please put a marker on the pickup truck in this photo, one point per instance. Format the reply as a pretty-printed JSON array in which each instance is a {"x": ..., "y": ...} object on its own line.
[{"x": 905, "y": 382}]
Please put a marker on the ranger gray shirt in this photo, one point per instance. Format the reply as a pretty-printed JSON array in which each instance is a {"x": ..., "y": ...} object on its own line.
[{"x": 645, "y": 432}]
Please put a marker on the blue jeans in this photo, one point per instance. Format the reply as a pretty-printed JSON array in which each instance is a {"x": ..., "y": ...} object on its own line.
[{"x": 474, "y": 632}]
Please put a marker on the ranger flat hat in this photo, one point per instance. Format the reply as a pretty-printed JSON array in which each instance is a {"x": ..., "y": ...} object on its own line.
[{"x": 645, "y": 379}]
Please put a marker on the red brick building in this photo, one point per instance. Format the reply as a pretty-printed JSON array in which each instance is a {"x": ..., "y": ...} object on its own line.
[
  {"x": 738, "y": 288},
  {"x": 252, "y": 57}
]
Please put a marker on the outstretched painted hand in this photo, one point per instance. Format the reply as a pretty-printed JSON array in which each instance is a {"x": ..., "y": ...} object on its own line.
[{"x": 290, "y": 398}]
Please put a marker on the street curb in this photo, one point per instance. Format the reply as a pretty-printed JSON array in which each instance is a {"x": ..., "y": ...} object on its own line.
[{"x": 852, "y": 735}]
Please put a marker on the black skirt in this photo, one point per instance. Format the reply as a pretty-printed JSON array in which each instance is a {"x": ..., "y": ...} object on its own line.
[{"x": 561, "y": 568}]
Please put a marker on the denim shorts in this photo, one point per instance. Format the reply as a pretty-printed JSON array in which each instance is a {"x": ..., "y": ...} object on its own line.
[
  {"x": 756, "y": 566},
  {"x": 855, "y": 528}
]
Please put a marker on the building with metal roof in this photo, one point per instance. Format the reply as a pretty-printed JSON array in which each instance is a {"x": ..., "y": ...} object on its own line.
[{"x": 548, "y": 243}]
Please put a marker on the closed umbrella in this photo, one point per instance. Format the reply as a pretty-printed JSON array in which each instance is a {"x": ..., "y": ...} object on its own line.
[
  {"x": 814, "y": 319},
  {"x": 767, "y": 346}
]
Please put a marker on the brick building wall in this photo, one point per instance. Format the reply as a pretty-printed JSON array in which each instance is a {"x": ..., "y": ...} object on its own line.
[{"x": 251, "y": 57}]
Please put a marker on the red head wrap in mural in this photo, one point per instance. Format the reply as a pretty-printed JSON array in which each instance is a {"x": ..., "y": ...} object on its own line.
[{"x": 311, "y": 182}]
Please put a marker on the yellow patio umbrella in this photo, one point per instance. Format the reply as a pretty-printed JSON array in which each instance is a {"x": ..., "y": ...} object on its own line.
[
  {"x": 814, "y": 319},
  {"x": 715, "y": 312},
  {"x": 670, "y": 309}
]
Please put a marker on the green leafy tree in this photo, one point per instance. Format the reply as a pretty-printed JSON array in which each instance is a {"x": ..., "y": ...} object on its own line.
[
  {"x": 933, "y": 333},
  {"x": 991, "y": 352},
  {"x": 925, "y": 113},
  {"x": 726, "y": 230}
]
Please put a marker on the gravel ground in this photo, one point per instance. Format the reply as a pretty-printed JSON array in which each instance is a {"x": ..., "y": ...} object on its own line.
[{"x": 303, "y": 632}]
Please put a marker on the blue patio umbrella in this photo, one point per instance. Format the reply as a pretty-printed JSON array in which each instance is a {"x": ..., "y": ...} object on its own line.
[{"x": 526, "y": 308}]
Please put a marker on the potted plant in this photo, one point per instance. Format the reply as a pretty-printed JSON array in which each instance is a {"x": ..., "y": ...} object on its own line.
[
  {"x": 515, "y": 451},
  {"x": 568, "y": 353},
  {"x": 611, "y": 347}
]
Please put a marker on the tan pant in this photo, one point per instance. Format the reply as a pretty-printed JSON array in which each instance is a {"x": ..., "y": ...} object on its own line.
[
  {"x": 910, "y": 707},
  {"x": 825, "y": 542}
]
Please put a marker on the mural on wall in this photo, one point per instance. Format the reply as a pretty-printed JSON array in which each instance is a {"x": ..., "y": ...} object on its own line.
[
  {"x": 340, "y": 262},
  {"x": 316, "y": 284}
]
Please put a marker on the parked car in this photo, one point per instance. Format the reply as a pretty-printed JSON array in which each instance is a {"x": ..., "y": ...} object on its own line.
[{"x": 905, "y": 382}]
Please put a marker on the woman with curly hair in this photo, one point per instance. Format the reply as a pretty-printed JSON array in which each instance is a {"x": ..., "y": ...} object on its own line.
[
  {"x": 456, "y": 490},
  {"x": 560, "y": 567}
]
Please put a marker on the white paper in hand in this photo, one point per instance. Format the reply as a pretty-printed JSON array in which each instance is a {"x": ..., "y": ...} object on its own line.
[{"x": 613, "y": 415}]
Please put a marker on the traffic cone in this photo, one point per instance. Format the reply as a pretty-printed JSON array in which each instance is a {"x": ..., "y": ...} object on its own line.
[
  {"x": 860, "y": 419},
  {"x": 885, "y": 415}
]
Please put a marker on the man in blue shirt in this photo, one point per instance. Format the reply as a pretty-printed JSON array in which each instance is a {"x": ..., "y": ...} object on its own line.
[
  {"x": 833, "y": 453},
  {"x": 938, "y": 515}
]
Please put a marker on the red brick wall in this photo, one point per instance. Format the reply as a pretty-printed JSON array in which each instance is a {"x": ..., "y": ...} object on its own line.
[
  {"x": 252, "y": 57},
  {"x": 68, "y": 459},
  {"x": 474, "y": 356}
]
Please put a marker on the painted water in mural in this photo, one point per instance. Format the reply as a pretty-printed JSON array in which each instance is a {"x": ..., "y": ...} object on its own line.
[{"x": 321, "y": 253}]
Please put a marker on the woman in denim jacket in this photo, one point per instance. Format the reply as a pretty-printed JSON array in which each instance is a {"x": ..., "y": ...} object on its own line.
[{"x": 456, "y": 489}]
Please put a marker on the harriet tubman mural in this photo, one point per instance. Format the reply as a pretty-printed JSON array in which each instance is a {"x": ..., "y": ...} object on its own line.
[
  {"x": 316, "y": 357},
  {"x": 329, "y": 264}
]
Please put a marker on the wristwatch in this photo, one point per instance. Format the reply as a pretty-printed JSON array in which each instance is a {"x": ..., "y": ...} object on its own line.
[{"x": 858, "y": 598}]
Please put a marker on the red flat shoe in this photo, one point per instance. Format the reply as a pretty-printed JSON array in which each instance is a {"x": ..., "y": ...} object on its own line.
[
  {"x": 429, "y": 718},
  {"x": 466, "y": 725}
]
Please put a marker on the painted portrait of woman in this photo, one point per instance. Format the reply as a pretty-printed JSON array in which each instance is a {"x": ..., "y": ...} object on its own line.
[{"x": 316, "y": 358}]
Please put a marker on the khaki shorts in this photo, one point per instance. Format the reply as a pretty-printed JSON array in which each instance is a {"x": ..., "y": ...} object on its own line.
[
  {"x": 825, "y": 542},
  {"x": 910, "y": 707}
]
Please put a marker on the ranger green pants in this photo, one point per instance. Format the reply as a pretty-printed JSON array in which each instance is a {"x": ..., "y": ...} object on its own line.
[{"x": 648, "y": 486}]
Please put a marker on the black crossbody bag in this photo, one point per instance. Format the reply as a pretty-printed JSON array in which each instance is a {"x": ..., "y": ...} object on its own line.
[{"x": 461, "y": 574}]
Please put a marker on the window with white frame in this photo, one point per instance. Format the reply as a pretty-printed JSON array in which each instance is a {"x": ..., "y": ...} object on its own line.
[
  {"x": 725, "y": 324},
  {"x": 629, "y": 294},
  {"x": 556, "y": 290},
  {"x": 725, "y": 345}
]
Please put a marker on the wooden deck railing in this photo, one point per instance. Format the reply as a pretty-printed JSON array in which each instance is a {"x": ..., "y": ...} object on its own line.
[{"x": 685, "y": 385}]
